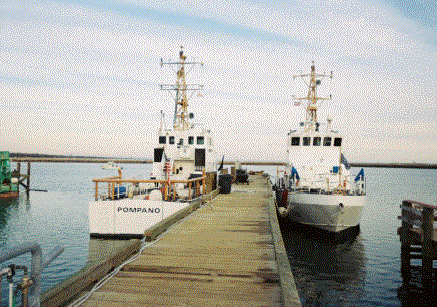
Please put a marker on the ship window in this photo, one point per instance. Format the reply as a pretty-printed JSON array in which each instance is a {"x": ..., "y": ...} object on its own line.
[
  {"x": 171, "y": 140},
  {"x": 337, "y": 142},
  {"x": 306, "y": 141},
  {"x": 327, "y": 141},
  {"x": 191, "y": 140},
  {"x": 295, "y": 141},
  {"x": 317, "y": 140},
  {"x": 200, "y": 140},
  {"x": 181, "y": 142},
  {"x": 162, "y": 139}
]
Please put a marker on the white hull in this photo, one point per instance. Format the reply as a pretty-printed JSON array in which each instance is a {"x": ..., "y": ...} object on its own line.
[
  {"x": 329, "y": 212},
  {"x": 128, "y": 217}
]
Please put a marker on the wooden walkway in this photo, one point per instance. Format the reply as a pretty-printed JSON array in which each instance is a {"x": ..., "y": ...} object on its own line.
[{"x": 222, "y": 255}]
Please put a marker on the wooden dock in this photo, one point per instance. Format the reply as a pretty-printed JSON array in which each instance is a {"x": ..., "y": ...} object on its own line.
[
  {"x": 418, "y": 241},
  {"x": 228, "y": 253}
]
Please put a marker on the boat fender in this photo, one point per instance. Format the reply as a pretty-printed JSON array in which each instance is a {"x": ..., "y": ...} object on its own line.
[
  {"x": 282, "y": 211},
  {"x": 344, "y": 183},
  {"x": 284, "y": 198}
]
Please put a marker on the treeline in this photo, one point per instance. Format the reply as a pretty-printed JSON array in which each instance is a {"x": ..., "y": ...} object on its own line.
[{"x": 36, "y": 155}]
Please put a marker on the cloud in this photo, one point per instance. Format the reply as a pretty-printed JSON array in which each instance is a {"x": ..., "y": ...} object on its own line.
[{"x": 92, "y": 69}]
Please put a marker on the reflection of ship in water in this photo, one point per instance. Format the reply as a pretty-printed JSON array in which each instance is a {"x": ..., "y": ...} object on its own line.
[
  {"x": 327, "y": 270},
  {"x": 7, "y": 206}
]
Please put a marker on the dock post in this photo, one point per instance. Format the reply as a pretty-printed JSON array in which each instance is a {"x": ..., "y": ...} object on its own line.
[
  {"x": 28, "y": 179},
  {"x": 427, "y": 226},
  {"x": 97, "y": 190},
  {"x": 405, "y": 246}
]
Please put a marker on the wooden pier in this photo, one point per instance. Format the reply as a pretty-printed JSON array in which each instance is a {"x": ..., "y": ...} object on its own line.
[
  {"x": 418, "y": 241},
  {"x": 228, "y": 253}
]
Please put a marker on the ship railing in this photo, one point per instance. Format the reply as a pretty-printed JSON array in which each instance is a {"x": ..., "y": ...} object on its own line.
[
  {"x": 30, "y": 286},
  {"x": 322, "y": 184},
  {"x": 168, "y": 187}
]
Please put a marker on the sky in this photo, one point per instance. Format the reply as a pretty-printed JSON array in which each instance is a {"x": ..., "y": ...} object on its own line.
[{"x": 82, "y": 77}]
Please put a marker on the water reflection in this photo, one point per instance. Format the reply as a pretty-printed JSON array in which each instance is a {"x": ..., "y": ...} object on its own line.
[
  {"x": 328, "y": 270},
  {"x": 7, "y": 208}
]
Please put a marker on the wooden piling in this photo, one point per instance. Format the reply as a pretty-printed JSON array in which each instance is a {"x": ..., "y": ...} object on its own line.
[
  {"x": 28, "y": 178},
  {"x": 418, "y": 230}
]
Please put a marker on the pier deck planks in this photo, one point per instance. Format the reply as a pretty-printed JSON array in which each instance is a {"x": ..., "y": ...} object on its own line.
[{"x": 223, "y": 255}]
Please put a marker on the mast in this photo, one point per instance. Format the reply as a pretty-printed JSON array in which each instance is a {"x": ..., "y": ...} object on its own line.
[
  {"x": 312, "y": 98},
  {"x": 181, "y": 115}
]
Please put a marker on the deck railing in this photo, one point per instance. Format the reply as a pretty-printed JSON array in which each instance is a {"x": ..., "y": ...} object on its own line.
[
  {"x": 322, "y": 184},
  {"x": 168, "y": 187}
]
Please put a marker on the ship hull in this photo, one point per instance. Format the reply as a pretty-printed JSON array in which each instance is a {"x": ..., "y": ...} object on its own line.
[
  {"x": 333, "y": 213},
  {"x": 127, "y": 218}
]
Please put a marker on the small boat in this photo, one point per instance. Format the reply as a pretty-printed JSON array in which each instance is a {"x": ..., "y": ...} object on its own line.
[
  {"x": 8, "y": 184},
  {"x": 182, "y": 156},
  {"x": 316, "y": 188},
  {"x": 110, "y": 165}
]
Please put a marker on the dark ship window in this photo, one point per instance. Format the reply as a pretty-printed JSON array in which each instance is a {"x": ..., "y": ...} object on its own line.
[
  {"x": 158, "y": 154},
  {"x": 171, "y": 140},
  {"x": 181, "y": 142},
  {"x": 306, "y": 141},
  {"x": 337, "y": 142},
  {"x": 295, "y": 141},
  {"x": 317, "y": 140},
  {"x": 162, "y": 139},
  {"x": 191, "y": 140},
  {"x": 200, "y": 140},
  {"x": 327, "y": 141}
]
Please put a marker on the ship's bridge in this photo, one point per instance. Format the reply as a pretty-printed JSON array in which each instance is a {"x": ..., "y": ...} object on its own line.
[
  {"x": 189, "y": 150},
  {"x": 314, "y": 148}
]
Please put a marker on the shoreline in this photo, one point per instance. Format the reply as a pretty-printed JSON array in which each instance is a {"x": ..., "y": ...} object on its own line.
[{"x": 15, "y": 158}]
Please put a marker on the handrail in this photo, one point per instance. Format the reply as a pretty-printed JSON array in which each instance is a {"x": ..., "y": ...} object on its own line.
[
  {"x": 147, "y": 180},
  {"x": 112, "y": 181},
  {"x": 421, "y": 204},
  {"x": 37, "y": 265}
]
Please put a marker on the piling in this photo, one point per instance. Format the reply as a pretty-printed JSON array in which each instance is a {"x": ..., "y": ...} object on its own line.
[{"x": 418, "y": 240}]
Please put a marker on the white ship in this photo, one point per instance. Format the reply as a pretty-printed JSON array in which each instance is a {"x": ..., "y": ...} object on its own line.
[
  {"x": 317, "y": 188},
  {"x": 182, "y": 157}
]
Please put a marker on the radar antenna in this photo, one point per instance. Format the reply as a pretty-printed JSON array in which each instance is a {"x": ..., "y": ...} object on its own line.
[
  {"x": 312, "y": 98},
  {"x": 181, "y": 88}
]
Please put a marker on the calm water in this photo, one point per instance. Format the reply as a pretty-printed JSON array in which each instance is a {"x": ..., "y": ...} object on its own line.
[{"x": 364, "y": 272}]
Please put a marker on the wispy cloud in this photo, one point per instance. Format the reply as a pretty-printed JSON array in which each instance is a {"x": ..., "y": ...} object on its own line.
[{"x": 92, "y": 69}]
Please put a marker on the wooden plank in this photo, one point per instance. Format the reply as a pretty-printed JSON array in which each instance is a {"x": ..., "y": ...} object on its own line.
[
  {"x": 421, "y": 204},
  {"x": 224, "y": 255}
]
